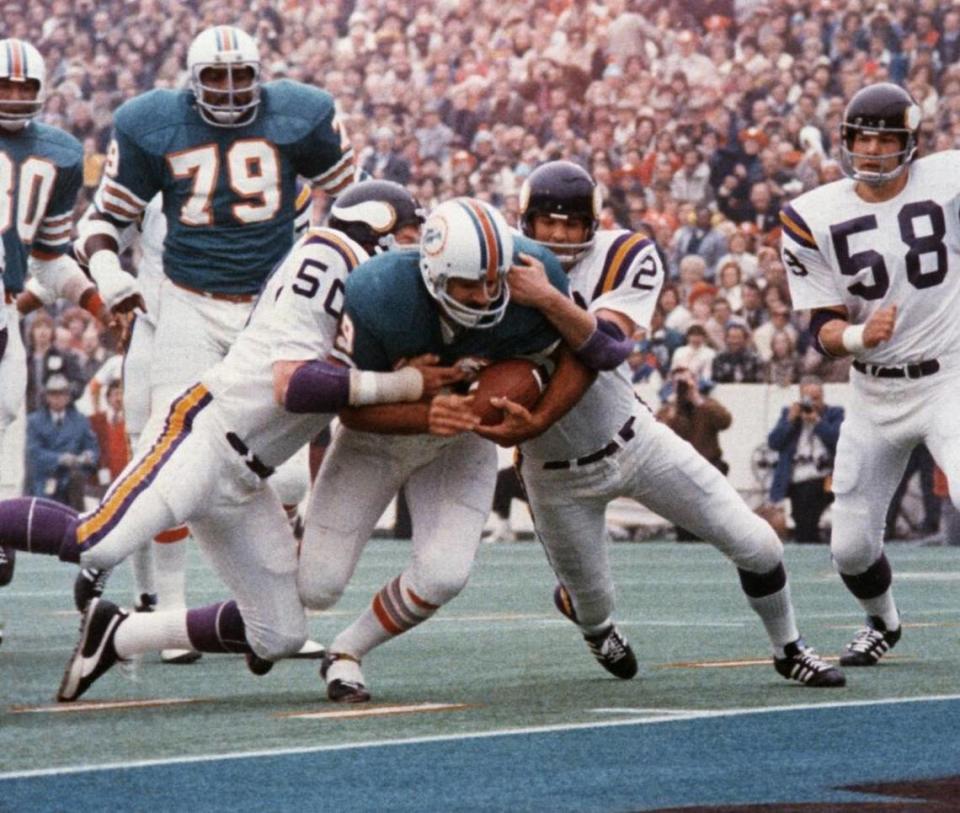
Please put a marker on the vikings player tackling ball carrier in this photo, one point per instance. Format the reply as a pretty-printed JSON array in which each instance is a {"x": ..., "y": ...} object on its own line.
[{"x": 870, "y": 256}]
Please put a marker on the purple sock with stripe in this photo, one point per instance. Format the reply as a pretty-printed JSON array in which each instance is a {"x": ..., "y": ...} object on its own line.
[
  {"x": 38, "y": 525},
  {"x": 217, "y": 628}
]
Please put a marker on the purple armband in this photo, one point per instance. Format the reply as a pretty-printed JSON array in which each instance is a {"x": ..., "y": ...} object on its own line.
[
  {"x": 818, "y": 319},
  {"x": 318, "y": 386},
  {"x": 606, "y": 349}
]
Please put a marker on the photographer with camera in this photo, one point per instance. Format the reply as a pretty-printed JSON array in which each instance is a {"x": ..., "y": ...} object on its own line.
[
  {"x": 696, "y": 417},
  {"x": 806, "y": 439}
]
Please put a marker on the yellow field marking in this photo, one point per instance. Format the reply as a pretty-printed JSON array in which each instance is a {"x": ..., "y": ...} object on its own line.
[
  {"x": 373, "y": 711},
  {"x": 103, "y": 705}
]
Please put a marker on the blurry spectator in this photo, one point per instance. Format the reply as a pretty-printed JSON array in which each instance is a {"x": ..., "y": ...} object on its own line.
[
  {"x": 806, "y": 438},
  {"x": 385, "y": 162},
  {"x": 696, "y": 355},
  {"x": 698, "y": 419},
  {"x": 675, "y": 314},
  {"x": 784, "y": 367},
  {"x": 434, "y": 137},
  {"x": 109, "y": 427},
  {"x": 779, "y": 322},
  {"x": 763, "y": 210},
  {"x": 93, "y": 161},
  {"x": 737, "y": 363},
  {"x": 44, "y": 360},
  {"x": 701, "y": 238},
  {"x": 752, "y": 310},
  {"x": 729, "y": 283},
  {"x": 691, "y": 183},
  {"x": 62, "y": 450}
]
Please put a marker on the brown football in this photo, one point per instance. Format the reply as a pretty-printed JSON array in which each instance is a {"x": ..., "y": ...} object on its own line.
[{"x": 520, "y": 380}]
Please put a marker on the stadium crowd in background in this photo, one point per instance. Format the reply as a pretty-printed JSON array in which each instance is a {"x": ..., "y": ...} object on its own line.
[{"x": 696, "y": 118}]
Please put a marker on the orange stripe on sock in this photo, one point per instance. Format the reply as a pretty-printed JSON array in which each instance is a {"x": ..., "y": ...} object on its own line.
[{"x": 384, "y": 617}]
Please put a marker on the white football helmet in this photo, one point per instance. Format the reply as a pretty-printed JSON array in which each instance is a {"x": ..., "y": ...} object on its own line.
[
  {"x": 20, "y": 62},
  {"x": 467, "y": 239},
  {"x": 225, "y": 46}
]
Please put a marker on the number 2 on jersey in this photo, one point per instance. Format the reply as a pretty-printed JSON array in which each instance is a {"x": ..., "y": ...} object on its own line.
[
  {"x": 917, "y": 245},
  {"x": 253, "y": 173}
]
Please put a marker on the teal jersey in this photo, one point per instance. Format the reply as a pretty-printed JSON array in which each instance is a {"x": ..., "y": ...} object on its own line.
[
  {"x": 41, "y": 170},
  {"x": 389, "y": 315},
  {"x": 229, "y": 193}
]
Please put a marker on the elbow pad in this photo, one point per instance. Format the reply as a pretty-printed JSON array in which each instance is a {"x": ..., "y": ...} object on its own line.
[{"x": 606, "y": 348}]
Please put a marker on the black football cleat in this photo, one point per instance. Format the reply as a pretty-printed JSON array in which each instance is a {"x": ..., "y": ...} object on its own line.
[
  {"x": 802, "y": 664},
  {"x": 870, "y": 644},
  {"x": 341, "y": 672},
  {"x": 89, "y": 584},
  {"x": 259, "y": 666},
  {"x": 95, "y": 652},
  {"x": 609, "y": 647}
]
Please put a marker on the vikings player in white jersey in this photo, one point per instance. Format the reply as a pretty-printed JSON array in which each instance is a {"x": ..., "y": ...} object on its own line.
[
  {"x": 870, "y": 257},
  {"x": 146, "y": 237},
  {"x": 222, "y": 438},
  {"x": 609, "y": 445}
]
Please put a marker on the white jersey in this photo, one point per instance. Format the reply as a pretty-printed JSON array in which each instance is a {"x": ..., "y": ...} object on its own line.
[
  {"x": 295, "y": 319},
  {"x": 620, "y": 272},
  {"x": 841, "y": 250}
]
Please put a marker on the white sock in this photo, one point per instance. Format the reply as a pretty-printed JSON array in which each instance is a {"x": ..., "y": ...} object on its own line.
[
  {"x": 141, "y": 561},
  {"x": 149, "y": 632},
  {"x": 170, "y": 563},
  {"x": 776, "y": 613},
  {"x": 883, "y": 607}
]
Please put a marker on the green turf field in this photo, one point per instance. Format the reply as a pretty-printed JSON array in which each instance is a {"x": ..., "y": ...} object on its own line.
[{"x": 497, "y": 658}]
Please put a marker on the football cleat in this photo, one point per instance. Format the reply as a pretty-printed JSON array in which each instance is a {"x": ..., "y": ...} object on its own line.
[
  {"x": 95, "y": 652},
  {"x": 802, "y": 664},
  {"x": 870, "y": 644},
  {"x": 341, "y": 672},
  {"x": 259, "y": 666},
  {"x": 89, "y": 584},
  {"x": 179, "y": 657},
  {"x": 609, "y": 647},
  {"x": 612, "y": 651}
]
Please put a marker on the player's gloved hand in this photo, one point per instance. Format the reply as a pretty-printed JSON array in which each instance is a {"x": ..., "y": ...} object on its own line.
[
  {"x": 119, "y": 290},
  {"x": 518, "y": 424},
  {"x": 879, "y": 327},
  {"x": 451, "y": 415},
  {"x": 435, "y": 377}
]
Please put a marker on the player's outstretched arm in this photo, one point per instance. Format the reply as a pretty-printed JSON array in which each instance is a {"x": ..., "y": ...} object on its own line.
[{"x": 98, "y": 244}]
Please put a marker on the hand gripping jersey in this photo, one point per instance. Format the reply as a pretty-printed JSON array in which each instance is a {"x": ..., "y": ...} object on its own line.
[
  {"x": 229, "y": 194},
  {"x": 621, "y": 272},
  {"x": 389, "y": 316},
  {"x": 840, "y": 250},
  {"x": 294, "y": 319},
  {"x": 41, "y": 170}
]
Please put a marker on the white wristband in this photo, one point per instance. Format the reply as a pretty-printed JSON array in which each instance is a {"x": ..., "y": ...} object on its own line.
[
  {"x": 852, "y": 339},
  {"x": 405, "y": 384}
]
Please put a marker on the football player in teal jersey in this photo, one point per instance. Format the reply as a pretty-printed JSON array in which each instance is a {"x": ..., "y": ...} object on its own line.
[
  {"x": 225, "y": 153},
  {"x": 40, "y": 175},
  {"x": 449, "y": 300}
]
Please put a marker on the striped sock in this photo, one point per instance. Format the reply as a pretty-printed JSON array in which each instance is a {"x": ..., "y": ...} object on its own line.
[{"x": 396, "y": 608}]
